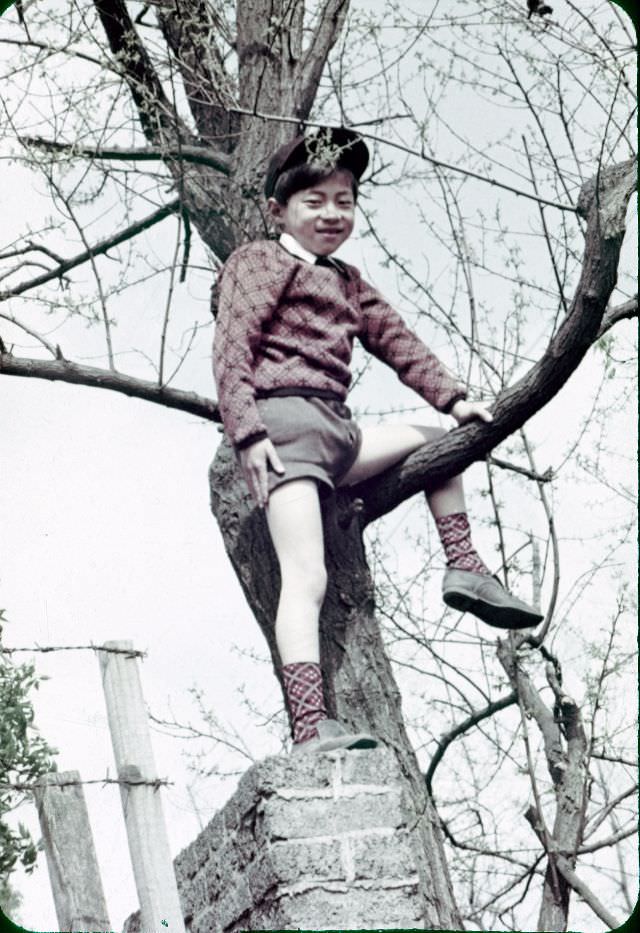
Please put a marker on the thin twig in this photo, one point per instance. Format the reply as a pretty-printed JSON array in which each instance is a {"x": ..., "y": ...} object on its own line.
[
  {"x": 102, "y": 246},
  {"x": 545, "y": 477},
  {"x": 54, "y": 351},
  {"x": 609, "y": 841},
  {"x": 545, "y": 229},
  {"x": 540, "y": 634},
  {"x": 167, "y": 307},
  {"x": 463, "y": 727},
  {"x": 277, "y": 118},
  {"x": 92, "y": 260}
]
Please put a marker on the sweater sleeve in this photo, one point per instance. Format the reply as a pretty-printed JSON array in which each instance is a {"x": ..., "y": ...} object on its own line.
[
  {"x": 247, "y": 296},
  {"x": 384, "y": 334}
]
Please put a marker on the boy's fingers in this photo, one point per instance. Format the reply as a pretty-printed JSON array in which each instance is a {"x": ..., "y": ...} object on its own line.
[
  {"x": 253, "y": 488},
  {"x": 479, "y": 410},
  {"x": 252, "y": 477},
  {"x": 272, "y": 458},
  {"x": 261, "y": 486},
  {"x": 276, "y": 462},
  {"x": 256, "y": 472},
  {"x": 257, "y": 492}
]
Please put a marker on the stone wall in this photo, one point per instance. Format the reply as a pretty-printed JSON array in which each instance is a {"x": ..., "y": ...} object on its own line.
[{"x": 306, "y": 842}]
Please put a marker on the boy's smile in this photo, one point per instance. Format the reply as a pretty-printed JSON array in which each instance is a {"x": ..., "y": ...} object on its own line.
[{"x": 321, "y": 217}]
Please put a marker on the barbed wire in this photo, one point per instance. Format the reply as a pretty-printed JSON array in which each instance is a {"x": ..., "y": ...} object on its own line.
[
  {"x": 43, "y": 649},
  {"x": 156, "y": 783}
]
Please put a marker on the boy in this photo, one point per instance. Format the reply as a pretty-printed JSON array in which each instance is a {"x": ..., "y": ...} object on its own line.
[{"x": 287, "y": 317}]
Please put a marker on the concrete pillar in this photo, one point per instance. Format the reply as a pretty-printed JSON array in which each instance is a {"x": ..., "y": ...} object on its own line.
[
  {"x": 141, "y": 800},
  {"x": 70, "y": 852},
  {"x": 306, "y": 842}
]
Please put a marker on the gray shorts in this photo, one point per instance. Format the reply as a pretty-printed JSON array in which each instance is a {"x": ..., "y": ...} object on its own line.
[{"x": 314, "y": 437}]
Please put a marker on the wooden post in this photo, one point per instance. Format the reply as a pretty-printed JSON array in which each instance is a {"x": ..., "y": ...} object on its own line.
[
  {"x": 148, "y": 843},
  {"x": 71, "y": 855}
]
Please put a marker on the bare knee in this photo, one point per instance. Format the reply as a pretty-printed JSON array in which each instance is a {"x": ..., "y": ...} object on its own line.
[
  {"x": 305, "y": 580},
  {"x": 429, "y": 432}
]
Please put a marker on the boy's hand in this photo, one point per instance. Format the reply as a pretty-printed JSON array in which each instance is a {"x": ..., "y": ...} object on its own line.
[
  {"x": 255, "y": 461},
  {"x": 464, "y": 411}
]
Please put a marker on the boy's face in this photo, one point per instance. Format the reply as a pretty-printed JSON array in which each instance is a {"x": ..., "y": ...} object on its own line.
[{"x": 320, "y": 217}]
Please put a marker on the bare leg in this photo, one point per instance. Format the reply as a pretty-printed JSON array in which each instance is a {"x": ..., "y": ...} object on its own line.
[
  {"x": 468, "y": 585},
  {"x": 384, "y": 445},
  {"x": 295, "y": 524}
]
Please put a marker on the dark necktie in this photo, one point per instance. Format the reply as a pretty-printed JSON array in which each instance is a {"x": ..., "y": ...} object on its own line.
[{"x": 330, "y": 263}]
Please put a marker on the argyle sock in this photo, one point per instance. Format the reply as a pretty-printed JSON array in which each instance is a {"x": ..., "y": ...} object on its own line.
[
  {"x": 455, "y": 535},
  {"x": 303, "y": 687}
]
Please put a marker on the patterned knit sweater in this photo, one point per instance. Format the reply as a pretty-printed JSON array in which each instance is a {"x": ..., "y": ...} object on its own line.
[{"x": 286, "y": 326}]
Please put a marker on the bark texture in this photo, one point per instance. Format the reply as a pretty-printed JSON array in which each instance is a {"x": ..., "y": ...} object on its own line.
[{"x": 565, "y": 745}]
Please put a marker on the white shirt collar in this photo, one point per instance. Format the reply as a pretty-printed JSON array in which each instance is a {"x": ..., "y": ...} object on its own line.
[{"x": 292, "y": 246}]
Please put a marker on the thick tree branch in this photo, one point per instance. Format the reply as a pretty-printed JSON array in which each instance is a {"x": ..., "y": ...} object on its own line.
[
  {"x": 330, "y": 21},
  {"x": 198, "y": 155},
  {"x": 156, "y": 113},
  {"x": 621, "y": 312},
  {"x": 533, "y": 703},
  {"x": 191, "y": 30},
  {"x": 430, "y": 466},
  {"x": 201, "y": 191},
  {"x": 568, "y": 770},
  {"x": 102, "y": 246},
  {"x": 585, "y": 892},
  {"x": 564, "y": 867},
  {"x": 65, "y": 371}
]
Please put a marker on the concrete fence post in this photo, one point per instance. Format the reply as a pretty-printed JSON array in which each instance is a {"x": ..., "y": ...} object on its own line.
[
  {"x": 70, "y": 852},
  {"x": 141, "y": 801}
]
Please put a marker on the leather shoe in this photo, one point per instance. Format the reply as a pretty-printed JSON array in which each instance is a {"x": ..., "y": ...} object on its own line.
[
  {"x": 486, "y": 598},
  {"x": 332, "y": 735}
]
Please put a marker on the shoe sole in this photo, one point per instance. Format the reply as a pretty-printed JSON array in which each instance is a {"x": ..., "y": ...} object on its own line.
[
  {"x": 332, "y": 745},
  {"x": 505, "y": 617}
]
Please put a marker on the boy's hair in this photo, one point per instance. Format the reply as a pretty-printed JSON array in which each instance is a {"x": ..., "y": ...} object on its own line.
[{"x": 307, "y": 175}]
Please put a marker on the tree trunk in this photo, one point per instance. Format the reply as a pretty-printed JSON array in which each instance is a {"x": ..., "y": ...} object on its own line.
[
  {"x": 360, "y": 687},
  {"x": 566, "y": 753}
]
